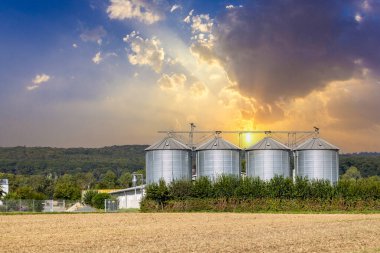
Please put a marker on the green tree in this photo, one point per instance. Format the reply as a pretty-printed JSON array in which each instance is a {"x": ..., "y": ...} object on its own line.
[
  {"x": 125, "y": 180},
  {"x": 108, "y": 180},
  {"x": 66, "y": 188},
  {"x": 86, "y": 180},
  {"x": 351, "y": 173}
]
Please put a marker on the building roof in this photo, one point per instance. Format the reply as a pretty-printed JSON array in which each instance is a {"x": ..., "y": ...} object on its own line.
[
  {"x": 168, "y": 143},
  {"x": 268, "y": 143},
  {"x": 217, "y": 143},
  {"x": 316, "y": 144},
  {"x": 139, "y": 187}
]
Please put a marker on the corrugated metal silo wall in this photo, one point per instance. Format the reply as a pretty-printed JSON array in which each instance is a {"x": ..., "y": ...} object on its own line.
[
  {"x": 265, "y": 164},
  {"x": 167, "y": 164},
  {"x": 318, "y": 164},
  {"x": 214, "y": 163}
]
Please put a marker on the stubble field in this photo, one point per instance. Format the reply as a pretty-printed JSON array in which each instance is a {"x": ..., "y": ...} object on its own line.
[{"x": 190, "y": 232}]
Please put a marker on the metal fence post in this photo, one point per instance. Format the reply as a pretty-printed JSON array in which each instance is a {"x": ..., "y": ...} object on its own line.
[
  {"x": 105, "y": 205},
  {"x": 19, "y": 207},
  {"x": 33, "y": 205}
]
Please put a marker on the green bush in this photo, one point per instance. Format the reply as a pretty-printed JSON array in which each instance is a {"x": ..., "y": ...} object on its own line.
[
  {"x": 280, "y": 187},
  {"x": 202, "y": 188},
  {"x": 88, "y": 196},
  {"x": 232, "y": 193},
  {"x": 181, "y": 189},
  {"x": 158, "y": 192},
  {"x": 98, "y": 200}
]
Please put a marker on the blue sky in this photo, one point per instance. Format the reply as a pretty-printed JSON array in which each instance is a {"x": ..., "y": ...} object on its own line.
[{"x": 112, "y": 72}]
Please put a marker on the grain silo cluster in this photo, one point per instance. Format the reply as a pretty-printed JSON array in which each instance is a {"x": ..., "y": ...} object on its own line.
[{"x": 171, "y": 159}]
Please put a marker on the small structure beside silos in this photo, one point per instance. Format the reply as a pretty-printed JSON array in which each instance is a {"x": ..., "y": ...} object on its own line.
[
  {"x": 217, "y": 157},
  {"x": 317, "y": 159},
  {"x": 168, "y": 159},
  {"x": 268, "y": 158}
]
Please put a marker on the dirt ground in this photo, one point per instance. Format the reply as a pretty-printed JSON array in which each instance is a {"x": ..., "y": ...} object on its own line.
[{"x": 190, "y": 232}]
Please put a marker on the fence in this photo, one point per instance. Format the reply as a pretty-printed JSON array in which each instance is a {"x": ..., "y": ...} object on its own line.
[
  {"x": 111, "y": 205},
  {"x": 32, "y": 205}
]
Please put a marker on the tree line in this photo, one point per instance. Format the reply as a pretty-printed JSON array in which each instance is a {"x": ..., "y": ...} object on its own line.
[
  {"x": 120, "y": 159},
  {"x": 67, "y": 186}
]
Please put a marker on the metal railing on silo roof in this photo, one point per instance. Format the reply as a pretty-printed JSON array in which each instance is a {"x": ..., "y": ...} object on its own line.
[{"x": 293, "y": 137}]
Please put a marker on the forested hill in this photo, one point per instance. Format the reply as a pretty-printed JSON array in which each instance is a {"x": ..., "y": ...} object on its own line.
[
  {"x": 58, "y": 161},
  {"x": 368, "y": 163},
  {"x": 128, "y": 158}
]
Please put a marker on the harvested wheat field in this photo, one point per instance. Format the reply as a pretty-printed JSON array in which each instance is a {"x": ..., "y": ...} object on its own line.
[{"x": 190, "y": 232}]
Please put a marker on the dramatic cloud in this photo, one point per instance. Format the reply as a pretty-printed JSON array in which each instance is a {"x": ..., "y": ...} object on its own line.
[
  {"x": 283, "y": 50},
  {"x": 145, "y": 51},
  {"x": 355, "y": 104},
  {"x": 134, "y": 9},
  {"x": 97, "y": 58},
  {"x": 37, "y": 81},
  {"x": 172, "y": 82},
  {"x": 93, "y": 35}
]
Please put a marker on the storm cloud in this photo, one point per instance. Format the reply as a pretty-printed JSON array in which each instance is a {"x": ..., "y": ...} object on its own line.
[{"x": 281, "y": 50}]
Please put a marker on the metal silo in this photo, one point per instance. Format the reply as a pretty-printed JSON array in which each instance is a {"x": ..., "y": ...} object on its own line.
[
  {"x": 317, "y": 159},
  {"x": 168, "y": 159},
  {"x": 216, "y": 157},
  {"x": 268, "y": 158}
]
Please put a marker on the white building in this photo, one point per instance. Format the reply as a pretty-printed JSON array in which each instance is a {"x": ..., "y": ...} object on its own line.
[
  {"x": 130, "y": 197},
  {"x": 4, "y": 186}
]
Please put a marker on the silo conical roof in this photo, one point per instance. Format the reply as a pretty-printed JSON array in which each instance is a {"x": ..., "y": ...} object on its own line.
[
  {"x": 168, "y": 143},
  {"x": 316, "y": 144},
  {"x": 217, "y": 143},
  {"x": 268, "y": 143}
]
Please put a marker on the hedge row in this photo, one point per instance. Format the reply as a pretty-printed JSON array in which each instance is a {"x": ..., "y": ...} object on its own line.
[
  {"x": 301, "y": 192},
  {"x": 261, "y": 205}
]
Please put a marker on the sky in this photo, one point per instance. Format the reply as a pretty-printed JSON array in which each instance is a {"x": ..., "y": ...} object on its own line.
[{"x": 93, "y": 73}]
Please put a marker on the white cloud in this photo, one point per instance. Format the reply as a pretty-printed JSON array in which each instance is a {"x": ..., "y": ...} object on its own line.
[
  {"x": 175, "y": 7},
  {"x": 198, "y": 89},
  {"x": 133, "y": 9},
  {"x": 188, "y": 18},
  {"x": 93, "y": 35},
  {"x": 97, "y": 58},
  {"x": 358, "y": 18},
  {"x": 145, "y": 51},
  {"x": 41, "y": 79},
  {"x": 202, "y": 36},
  {"x": 37, "y": 81},
  {"x": 32, "y": 87},
  {"x": 229, "y": 7},
  {"x": 202, "y": 23},
  {"x": 173, "y": 82}
]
